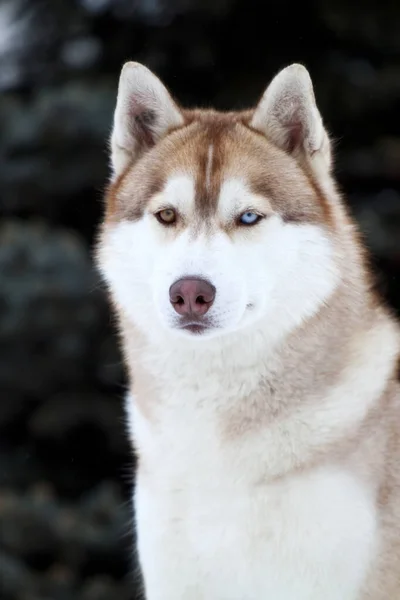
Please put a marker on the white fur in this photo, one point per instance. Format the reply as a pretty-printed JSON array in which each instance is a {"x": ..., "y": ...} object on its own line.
[
  {"x": 215, "y": 518},
  {"x": 210, "y": 155},
  {"x": 213, "y": 523},
  {"x": 236, "y": 198},
  {"x": 284, "y": 271},
  {"x": 310, "y": 538},
  {"x": 178, "y": 193}
]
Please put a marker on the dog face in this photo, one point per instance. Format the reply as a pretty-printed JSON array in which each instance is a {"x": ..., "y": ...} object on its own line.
[{"x": 216, "y": 221}]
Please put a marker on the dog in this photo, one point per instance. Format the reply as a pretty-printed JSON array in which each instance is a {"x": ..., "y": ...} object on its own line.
[{"x": 263, "y": 405}]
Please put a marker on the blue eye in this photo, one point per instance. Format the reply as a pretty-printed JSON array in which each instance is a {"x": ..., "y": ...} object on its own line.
[{"x": 249, "y": 218}]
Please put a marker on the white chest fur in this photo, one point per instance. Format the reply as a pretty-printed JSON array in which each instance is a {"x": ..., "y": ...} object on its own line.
[{"x": 211, "y": 527}]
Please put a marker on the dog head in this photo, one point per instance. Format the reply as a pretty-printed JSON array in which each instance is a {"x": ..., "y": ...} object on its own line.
[{"x": 218, "y": 221}]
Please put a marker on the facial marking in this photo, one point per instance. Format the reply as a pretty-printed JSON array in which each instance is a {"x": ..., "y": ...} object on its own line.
[
  {"x": 236, "y": 198},
  {"x": 209, "y": 166},
  {"x": 178, "y": 193}
]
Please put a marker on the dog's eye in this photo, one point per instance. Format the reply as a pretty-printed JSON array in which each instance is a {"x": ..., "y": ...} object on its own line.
[
  {"x": 249, "y": 218},
  {"x": 166, "y": 216}
]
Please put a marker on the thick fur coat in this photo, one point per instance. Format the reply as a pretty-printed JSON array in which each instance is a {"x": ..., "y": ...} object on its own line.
[{"x": 264, "y": 412}]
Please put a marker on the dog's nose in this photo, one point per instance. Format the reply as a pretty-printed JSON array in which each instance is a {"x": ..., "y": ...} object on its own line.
[{"x": 192, "y": 297}]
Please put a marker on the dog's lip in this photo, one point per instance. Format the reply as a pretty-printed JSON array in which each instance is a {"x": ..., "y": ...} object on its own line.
[{"x": 194, "y": 326}]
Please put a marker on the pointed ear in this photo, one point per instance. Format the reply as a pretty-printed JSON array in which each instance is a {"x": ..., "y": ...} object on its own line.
[
  {"x": 144, "y": 113},
  {"x": 288, "y": 115}
]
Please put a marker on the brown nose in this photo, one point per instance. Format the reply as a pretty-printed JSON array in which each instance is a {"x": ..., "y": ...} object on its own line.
[{"x": 192, "y": 297}]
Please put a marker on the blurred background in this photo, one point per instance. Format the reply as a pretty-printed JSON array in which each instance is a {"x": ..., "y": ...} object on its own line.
[{"x": 65, "y": 466}]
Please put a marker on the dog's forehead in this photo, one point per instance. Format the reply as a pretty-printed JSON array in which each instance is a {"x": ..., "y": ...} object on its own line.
[
  {"x": 229, "y": 165},
  {"x": 222, "y": 159},
  {"x": 234, "y": 195},
  {"x": 212, "y": 163},
  {"x": 208, "y": 173}
]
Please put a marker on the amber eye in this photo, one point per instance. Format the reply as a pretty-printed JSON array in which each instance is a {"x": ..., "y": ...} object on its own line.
[{"x": 166, "y": 216}]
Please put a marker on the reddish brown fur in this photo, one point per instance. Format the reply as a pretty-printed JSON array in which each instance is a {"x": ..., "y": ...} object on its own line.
[{"x": 238, "y": 151}]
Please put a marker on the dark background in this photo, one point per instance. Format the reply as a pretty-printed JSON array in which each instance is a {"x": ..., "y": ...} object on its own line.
[{"x": 65, "y": 466}]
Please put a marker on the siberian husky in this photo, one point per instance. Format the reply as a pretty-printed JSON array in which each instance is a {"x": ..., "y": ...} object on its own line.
[{"x": 264, "y": 403}]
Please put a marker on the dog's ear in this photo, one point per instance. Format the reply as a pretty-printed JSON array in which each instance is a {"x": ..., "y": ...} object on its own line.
[
  {"x": 144, "y": 113},
  {"x": 288, "y": 115}
]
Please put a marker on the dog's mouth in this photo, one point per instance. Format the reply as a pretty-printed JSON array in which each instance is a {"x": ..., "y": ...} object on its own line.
[{"x": 195, "y": 326}]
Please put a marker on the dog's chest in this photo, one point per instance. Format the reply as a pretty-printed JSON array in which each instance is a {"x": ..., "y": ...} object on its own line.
[{"x": 232, "y": 533}]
